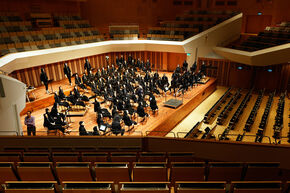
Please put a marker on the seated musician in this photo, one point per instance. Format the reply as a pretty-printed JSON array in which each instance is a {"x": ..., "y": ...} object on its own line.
[
  {"x": 153, "y": 103},
  {"x": 96, "y": 131},
  {"x": 58, "y": 117},
  {"x": 82, "y": 129},
  {"x": 50, "y": 123},
  {"x": 116, "y": 126},
  {"x": 128, "y": 122},
  {"x": 61, "y": 94},
  {"x": 141, "y": 112}
]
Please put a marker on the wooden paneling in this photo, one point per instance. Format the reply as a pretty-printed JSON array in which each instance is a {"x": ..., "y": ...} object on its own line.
[
  {"x": 162, "y": 61},
  {"x": 257, "y": 23},
  {"x": 228, "y": 74}
]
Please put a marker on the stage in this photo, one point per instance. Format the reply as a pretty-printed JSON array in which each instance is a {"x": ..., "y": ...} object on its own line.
[{"x": 158, "y": 124}]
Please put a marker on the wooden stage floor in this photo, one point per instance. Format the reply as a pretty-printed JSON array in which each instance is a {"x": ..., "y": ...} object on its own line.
[{"x": 158, "y": 124}]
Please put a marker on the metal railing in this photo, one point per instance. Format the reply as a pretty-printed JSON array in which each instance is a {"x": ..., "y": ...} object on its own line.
[{"x": 171, "y": 132}]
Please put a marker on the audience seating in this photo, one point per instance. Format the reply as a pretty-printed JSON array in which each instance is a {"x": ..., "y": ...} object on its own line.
[
  {"x": 28, "y": 187},
  {"x": 271, "y": 36},
  {"x": 94, "y": 157},
  {"x": 256, "y": 187},
  {"x": 117, "y": 172},
  {"x": 36, "y": 157},
  {"x": 225, "y": 171},
  {"x": 252, "y": 116},
  {"x": 211, "y": 112},
  {"x": 144, "y": 187},
  {"x": 74, "y": 171},
  {"x": 180, "y": 157},
  {"x": 124, "y": 157},
  {"x": 200, "y": 187},
  {"x": 186, "y": 171},
  {"x": 10, "y": 157},
  {"x": 7, "y": 172},
  {"x": 65, "y": 157},
  {"x": 87, "y": 187},
  {"x": 35, "y": 171},
  {"x": 263, "y": 171},
  {"x": 148, "y": 172},
  {"x": 152, "y": 157},
  {"x": 278, "y": 126}
]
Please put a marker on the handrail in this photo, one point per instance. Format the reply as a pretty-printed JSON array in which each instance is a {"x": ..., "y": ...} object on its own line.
[
  {"x": 148, "y": 132},
  {"x": 219, "y": 135},
  {"x": 1, "y": 131}
]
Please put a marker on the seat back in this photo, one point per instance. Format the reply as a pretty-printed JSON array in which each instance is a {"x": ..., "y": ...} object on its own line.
[
  {"x": 150, "y": 172},
  {"x": 152, "y": 157},
  {"x": 263, "y": 171},
  {"x": 123, "y": 157},
  {"x": 65, "y": 157},
  {"x": 35, "y": 171},
  {"x": 94, "y": 157},
  {"x": 256, "y": 187},
  {"x": 28, "y": 187},
  {"x": 7, "y": 172},
  {"x": 36, "y": 157},
  {"x": 180, "y": 157},
  {"x": 87, "y": 187},
  {"x": 200, "y": 187},
  {"x": 73, "y": 171},
  {"x": 10, "y": 157},
  {"x": 144, "y": 187},
  {"x": 116, "y": 171},
  {"x": 185, "y": 171},
  {"x": 225, "y": 171}
]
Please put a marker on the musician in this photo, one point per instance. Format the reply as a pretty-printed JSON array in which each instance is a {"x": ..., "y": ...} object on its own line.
[
  {"x": 56, "y": 98},
  {"x": 141, "y": 112},
  {"x": 50, "y": 124},
  {"x": 82, "y": 129},
  {"x": 87, "y": 65},
  {"x": 184, "y": 66},
  {"x": 29, "y": 121},
  {"x": 116, "y": 126},
  {"x": 67, "y": 72},
  {"x": 153, "y": 103},
  {"x": 61, "y": 94},
  {"x": 178, "y": 69},
  {"x": 128, "y": 122},
  {"x": 203, "y": 69},
  {"x": 96, "y": 131},
  {"x": 193, "y": 67},
  {"x": 44, "y": 79}
]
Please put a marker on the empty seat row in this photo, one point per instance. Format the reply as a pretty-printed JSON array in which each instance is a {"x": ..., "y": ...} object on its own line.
[
  {"x": 97, "y": 157},
  {"x": 147, "y": 187},
  {"x": 278, "y": 125},
  {"x": 140, "y": 171},
  {"x": 254, "y": 111}
]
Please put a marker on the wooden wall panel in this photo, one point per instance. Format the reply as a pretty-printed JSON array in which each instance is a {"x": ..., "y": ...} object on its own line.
[
  {"x": 228, "y": 74},
  {"x": 161, "y": 60}
]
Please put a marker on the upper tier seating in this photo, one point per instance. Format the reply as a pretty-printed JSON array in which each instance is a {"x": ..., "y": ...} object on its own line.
[
  {"x": 270, "y": 37},
  {"x": 188, "y": 24},
  {"x": 17, "y": 35}
]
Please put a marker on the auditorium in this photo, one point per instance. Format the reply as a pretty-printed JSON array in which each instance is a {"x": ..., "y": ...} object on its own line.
[{"x": 144, "y": 96}]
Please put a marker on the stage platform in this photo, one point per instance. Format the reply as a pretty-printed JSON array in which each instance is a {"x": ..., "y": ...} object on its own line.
[{"x": 158, "y": 124}]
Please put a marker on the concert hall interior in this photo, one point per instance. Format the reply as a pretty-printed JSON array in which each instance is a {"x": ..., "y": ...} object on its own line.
[{"x": 169, "y": 96}]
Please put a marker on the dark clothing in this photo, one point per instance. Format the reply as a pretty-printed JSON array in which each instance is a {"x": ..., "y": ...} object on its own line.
[
  {"x": 44, "y": 79},
  {"x": 82, "y": 130},
  {"x": 87, "y": 66},
  {"x": 67, "y": 72},
  {"x": 31, "y": 129}
]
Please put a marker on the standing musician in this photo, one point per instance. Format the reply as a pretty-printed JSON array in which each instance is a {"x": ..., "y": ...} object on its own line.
[
  {"x": 67, "y": 72},
  {"x": 87, "y": 65},
  {"x": 44, "y": 79}
]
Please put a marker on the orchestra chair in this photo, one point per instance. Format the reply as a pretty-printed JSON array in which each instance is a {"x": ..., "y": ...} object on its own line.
[
  {"x": 269, "y": 171},
  {"x": 187, "y": 171},
  {"x": 225, "y": 171},
  {"x": 180, "y": 157},
  {"x": 200, "y": 187},
  {"x": 94, "y": 157},
  {"x": 7, "y": 172},
  {"x": 144, "y": 187},
  {"x": 87, "y": 187},
  {"x": 65, "y": 157},
  {"x": 256, "y": 187},
  {"x": 30, "y": 187},
  {"x": 10, "y": 157},
  {"x": 152, "y": 157},
  {"x": 150, "y": 172},
  {"x": 35, "y": 171},
  {"x": 74, "y": 171},
  {"x": 36, "y": 157},
  {"x": 112, "y": 171}
]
